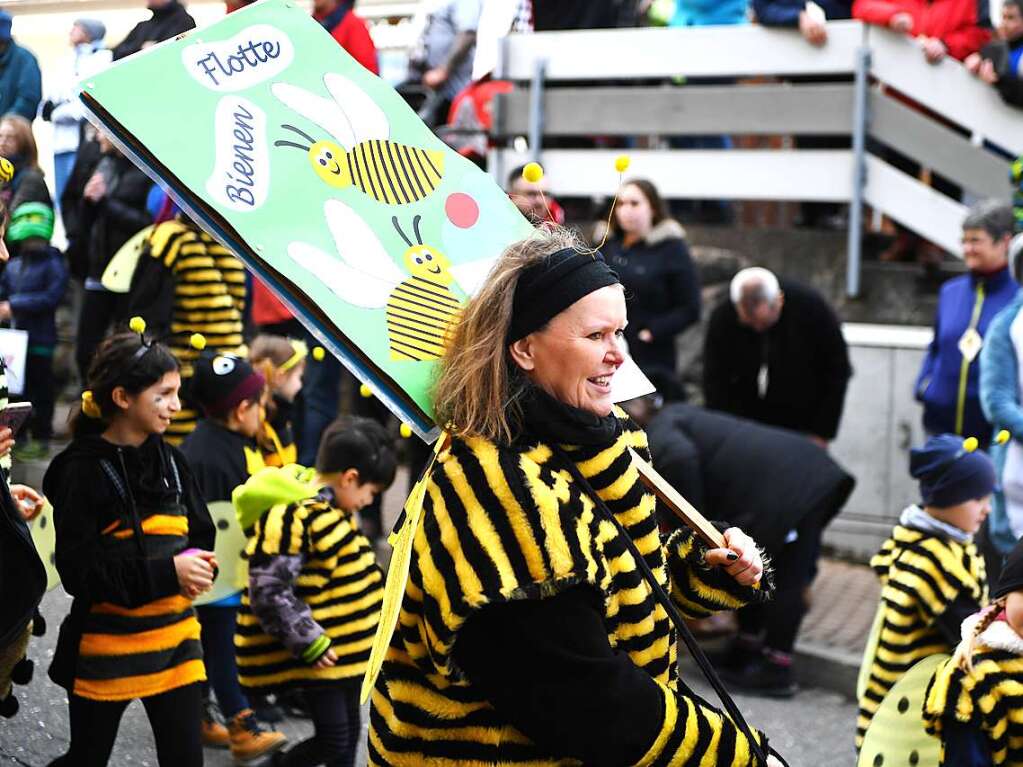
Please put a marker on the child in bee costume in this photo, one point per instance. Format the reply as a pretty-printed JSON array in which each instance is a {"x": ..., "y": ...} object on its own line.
[
  {"x": 186, "y": 282},
  {"x": 315, "y": 590},
  {"x": 282, "y": 362},
  {"x": 931, "y": 574},
  {"x": 973, "y": 701},
  {"x": 223, "y": 453}
]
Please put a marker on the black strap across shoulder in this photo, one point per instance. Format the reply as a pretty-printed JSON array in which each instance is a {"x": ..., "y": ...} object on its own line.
[{"x": 676, "y": 618}]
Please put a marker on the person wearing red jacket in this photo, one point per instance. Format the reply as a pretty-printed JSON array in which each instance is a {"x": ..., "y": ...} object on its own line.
[
  {"x": 349, "y": 29},
  {"x": 943, "y": 27}
]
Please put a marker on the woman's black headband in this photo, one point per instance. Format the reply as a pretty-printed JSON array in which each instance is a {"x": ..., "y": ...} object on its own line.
[{"x": 549, "y": 287}]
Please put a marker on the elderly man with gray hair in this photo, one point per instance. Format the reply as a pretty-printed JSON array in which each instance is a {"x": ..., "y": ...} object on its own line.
[
  {"x": 775, "y": 353},
  {"x": 948, "y": 384}
]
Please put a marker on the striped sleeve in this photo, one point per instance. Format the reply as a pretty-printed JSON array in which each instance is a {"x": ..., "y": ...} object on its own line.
[
  {"x": 699, "y": 590},
  {"x": 282, "y": 532},
  {"x": 691, "y": 731}
]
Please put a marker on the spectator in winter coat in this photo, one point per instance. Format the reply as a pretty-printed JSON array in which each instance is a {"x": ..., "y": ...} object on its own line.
[
  {"x": 1000, "y": 398},
  {"x": 18, "y": 145},
  {"x": 718, "y": 462},
  {"x": 1000, "y": 62},
  {"x": 648, "y": 251},
  {"x": 169, "y": 19},
  {"x": 349, "y": 29},
  {"x": 949, "y": 378},
  {"x": 441, "y": 58},
  {"x": 62, "y": 106},
  {"x": 794, "y": 13},
  {"x": 113, "y": 208},
  {"x": 21, "y": 83},
  {"x": 31, "y": 288},
  {"x": 775, "y": 353},
  {"x": 942, "y": 27}
]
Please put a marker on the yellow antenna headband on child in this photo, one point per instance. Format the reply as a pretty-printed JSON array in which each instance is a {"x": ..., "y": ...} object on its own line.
[{"x": 301, "y": 351}]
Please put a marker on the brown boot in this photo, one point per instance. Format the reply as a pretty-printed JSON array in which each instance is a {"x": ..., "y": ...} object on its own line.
[
  {"x": 249, "y": 739},
  {"x": 214, "y": 734}
]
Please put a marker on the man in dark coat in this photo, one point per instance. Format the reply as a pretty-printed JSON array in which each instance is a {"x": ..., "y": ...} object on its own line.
[
  {"x": 774, "y": 483},
  {"x": 775, "y": 353},
  {"x": 169, "y": 19}
]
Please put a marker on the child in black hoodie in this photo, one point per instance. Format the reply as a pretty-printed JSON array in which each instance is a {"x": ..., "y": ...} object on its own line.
[
  {"x": 223, "y": 453},
  {"x": 134, "y": 547}
]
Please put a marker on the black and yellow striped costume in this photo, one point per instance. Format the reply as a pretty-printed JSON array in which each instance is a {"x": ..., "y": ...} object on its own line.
[
  {"x": 121, "y": 515},
  {"x": 339, "y": 581},
  {"x": 505, "y": 523},
  {"x": 209, "y": 298},
  {"x": 921, "y": 576},
  {"x": 419, "y": 315},
  {"x": 990, "y": 700}
]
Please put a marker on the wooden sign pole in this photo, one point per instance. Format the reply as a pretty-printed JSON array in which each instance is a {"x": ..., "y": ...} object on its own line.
[{"x": 682, "y": 509}]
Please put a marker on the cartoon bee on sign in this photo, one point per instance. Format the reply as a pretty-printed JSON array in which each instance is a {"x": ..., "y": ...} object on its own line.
[
  {"x": 421, "y": 306},
  {"x": 361, "y": 155}
]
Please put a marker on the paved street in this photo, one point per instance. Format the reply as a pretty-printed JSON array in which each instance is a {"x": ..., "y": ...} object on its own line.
[{"x": 814, "y": 730}]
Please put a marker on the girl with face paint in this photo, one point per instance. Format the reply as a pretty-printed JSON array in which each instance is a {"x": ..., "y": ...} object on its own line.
[{"x": 134, "y": 546}]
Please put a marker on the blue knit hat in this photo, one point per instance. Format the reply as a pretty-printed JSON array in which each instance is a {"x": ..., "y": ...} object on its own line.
[
  {"x": 951, "y": 471},
  {"x": 5, "y": 25}
]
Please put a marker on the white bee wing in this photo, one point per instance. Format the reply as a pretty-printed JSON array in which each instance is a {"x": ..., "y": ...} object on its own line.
[
  {"x": 350, "y": 285},
  {"x": 324, "y": 112},
  {"x": 367, "y": 119},
  {"x": 358, "y": 245},
  {"x": 471, "y": 276}
]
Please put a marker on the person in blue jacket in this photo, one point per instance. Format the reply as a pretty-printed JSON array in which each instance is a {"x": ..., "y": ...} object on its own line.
[
  {"x": 949, "y": 377},
  {"x": 794, "y": 13},
  {"x": 704, "y": 13},
  {"x": 31, "y": 288},
  {"x": 21, "y": 82},
  {"x": 1000, "y": 399}
]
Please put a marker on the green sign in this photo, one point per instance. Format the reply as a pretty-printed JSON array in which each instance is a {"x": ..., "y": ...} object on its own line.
[{"x": 322, "y": 179}]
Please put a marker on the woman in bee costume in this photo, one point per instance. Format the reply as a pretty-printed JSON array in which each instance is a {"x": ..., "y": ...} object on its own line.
[{"x": 527, "y": 634}]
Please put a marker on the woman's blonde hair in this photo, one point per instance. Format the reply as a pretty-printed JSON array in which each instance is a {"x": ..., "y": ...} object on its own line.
[
  {"x": 963, "y": 657},
  {"x": 479, "y": 388}
]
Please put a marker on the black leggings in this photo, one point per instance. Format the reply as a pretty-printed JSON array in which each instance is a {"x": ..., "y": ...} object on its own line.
[
  {"x": 173, "y": 715},
  {"x": 795, "y": 566},
  {"x": 335, "y": 715}
]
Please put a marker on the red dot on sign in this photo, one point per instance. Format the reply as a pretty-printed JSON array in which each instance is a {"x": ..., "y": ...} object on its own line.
[{"x": 462, "y": 210}]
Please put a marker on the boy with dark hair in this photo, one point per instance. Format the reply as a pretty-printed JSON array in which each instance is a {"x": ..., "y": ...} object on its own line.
[
  {"x": 315, "y": 590},
  {"x": 31, "y": 287}
]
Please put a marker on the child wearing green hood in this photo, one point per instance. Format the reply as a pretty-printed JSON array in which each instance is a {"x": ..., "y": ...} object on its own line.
[{"x": 311, "y": 610}]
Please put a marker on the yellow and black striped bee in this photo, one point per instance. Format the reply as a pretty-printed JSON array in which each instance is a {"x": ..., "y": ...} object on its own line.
[
  {"x": 361, "y": 154},
  {"x": 420, "y": 307}
]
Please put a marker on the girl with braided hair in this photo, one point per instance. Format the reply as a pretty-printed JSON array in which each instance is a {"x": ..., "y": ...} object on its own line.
[
  {"x": 134, "y": 547},
  {"x": 972, "y": 700}
]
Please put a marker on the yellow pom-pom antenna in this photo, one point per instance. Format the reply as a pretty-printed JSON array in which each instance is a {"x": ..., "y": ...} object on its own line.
[
  {"x": 365, "y": 391},
  {"x": 622, "y": 162},
  {"x": 319, "y": 353},
  {"x": 89, "y": 406},
  {"x": 137, "y": 325},
  {"x": 533, "y": 172},
  {"x": 405, "y": 430},
  {"x": 6, "y": 171},
  {"x": 970, "y": 444},
  {"x": 1002, "y": 437},
  {"x": 197, "y": 341}
]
